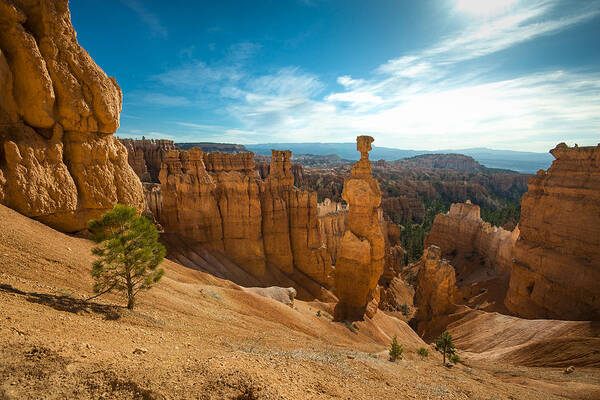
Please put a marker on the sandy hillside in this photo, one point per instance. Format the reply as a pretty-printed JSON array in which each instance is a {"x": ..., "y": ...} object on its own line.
[{"x": 202, "y": 337}]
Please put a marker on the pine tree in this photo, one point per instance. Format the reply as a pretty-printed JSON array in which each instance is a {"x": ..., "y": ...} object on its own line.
[
  {"x": 444, "y": 345},
  {"x": 396, "y": 350},
  {"x": 128, "y": 253}
]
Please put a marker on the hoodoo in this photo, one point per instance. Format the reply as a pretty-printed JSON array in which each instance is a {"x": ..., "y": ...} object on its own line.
[
  {"x": 362, "y": 250},
  {"x": 59, "y": 162}
]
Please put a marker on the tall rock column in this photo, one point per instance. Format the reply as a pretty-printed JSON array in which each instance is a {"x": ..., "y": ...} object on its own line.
[{"x": 361, "y": 256}]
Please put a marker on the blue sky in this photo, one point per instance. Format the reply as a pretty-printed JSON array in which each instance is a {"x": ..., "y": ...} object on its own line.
[{"x": 427, "y": 74}]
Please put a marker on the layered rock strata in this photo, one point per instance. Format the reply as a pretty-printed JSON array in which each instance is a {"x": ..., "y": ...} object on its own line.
[
  {"x": 360, "y": 258},
  {"x": 218, "y": 200},
  {"x": 332, "y": 225},
  {"x": 59, "y": 162},
  {"x": 435, "y": 287},
  {"x": 556, "y": 268},
  {"x": 461, "y": 231},
  {"x": 147, "y": 155}
]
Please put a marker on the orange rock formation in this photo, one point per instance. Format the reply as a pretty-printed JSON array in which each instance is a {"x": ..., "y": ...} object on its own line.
[
  {"x": 332, "y": 224},
  {"x": 556, "y": 269},
  {"x": 146, "y": 156},
  {"x": 462, "y": 230},
  {"x": 59, "y": 162},
  {"x": 217, "y": 199},
  {"x": 434, "y": 295},
  {"x": 361, "y": 255}
]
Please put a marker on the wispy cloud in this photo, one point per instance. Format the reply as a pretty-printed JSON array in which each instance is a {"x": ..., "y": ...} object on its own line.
[
  {"x": 147, "y": 17},
  {"x": 428, "y": 99}
]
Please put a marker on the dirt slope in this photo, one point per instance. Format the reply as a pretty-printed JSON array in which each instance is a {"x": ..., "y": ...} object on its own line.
[
  {"x": 493, "y": 336},
  {"x": 205, "y": 338}
]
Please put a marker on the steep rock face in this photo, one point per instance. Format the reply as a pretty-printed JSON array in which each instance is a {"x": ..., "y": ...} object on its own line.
[
  {"x": 361, "y": 256},
  {"x": 462, "y": 231},
  {"x": 153, "y": 197},
  {"x": 332, "y": 224},
  {"x": 217, "y": 199},
  {"x": 189, "y": 206},
  {"x": 220, "y": 209},
  {"x": 146, "y": 156},
  {"x": 435, "y": 288},
  {"x": 59, "y": 162},
  {"x": 404, "y": 208},
  {"x": 556, "y": 269},
  {"x": 238, "y": 200}
]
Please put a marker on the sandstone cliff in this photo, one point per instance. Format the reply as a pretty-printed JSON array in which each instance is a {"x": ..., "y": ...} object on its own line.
[
  {"x": 556, "y": 269},
  {"x": 361, "y": 255},
  {"x": 146, "y": 156},
  {"x": 435, "y": 288},
  {"x": 332, "y": 224},
  {"x": 461, "y": 231},
  {"x": 218, "y": 200},
  {"x": 59, "y": 162}
]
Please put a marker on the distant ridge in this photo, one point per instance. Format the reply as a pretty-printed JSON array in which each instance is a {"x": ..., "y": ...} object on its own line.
[{"x": 520, "y": 161}]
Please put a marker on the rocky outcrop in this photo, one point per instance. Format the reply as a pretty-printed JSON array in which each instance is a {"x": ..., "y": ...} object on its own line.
[
  {"x": 153, "y": 198},
  {"x": 283, "y": 295},
  {"x": 461, "y": 231},
  {"x": 404, "y": 208},
  {"x": 435, "y": 287},
  {"x": 360, "y": 259},
  {"x": 59, "y": 162},
  {"x": 218, "y": 200},
  {"x": 213, "y": 198},
  {"x": 146, "y": 156},
  {"x": 332, "y": 224},
  {"x": 556, "y": 268}
]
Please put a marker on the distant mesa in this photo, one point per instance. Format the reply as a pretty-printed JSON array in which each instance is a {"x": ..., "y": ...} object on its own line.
[{"x": 211, "y": 147}]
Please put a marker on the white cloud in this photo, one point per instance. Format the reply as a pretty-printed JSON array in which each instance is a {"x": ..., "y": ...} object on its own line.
[{"x": 425, "y": 100}]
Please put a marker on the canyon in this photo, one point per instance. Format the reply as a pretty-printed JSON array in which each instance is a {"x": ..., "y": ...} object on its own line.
[{"x": 278, "y": 273}]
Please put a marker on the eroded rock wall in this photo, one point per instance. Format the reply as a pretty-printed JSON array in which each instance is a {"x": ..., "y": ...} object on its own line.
[
  {"x": 361, "y": 255},
  {"x": 435, "y": 287},
  {"x": 462, "y": 231},
  {"x": 556, "y": 269},
  {"x": 59, "y": 162},
  {"x": 147, "y": 155},
  {"x": 218, "y": 199},
  {"x": 332, "y": 224}
]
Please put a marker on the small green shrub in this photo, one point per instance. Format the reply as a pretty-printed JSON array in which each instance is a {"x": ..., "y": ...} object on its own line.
[
  {"x": 396, "y": 350},
  {"x": 423, "y": 352},
  {"x": 319, "y": 313},
  {"x": 454, "y": 358}
]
